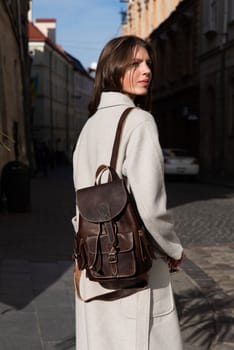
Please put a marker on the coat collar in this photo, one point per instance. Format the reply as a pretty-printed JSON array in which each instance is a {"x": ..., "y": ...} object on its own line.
[{"x": 110, "y": 99}]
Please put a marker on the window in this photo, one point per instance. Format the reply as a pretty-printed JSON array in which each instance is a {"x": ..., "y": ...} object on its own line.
[
  {"x": 3, "y": 113},
  {"x": 231, "y": 11},
  {"x": 187, "y": 68},
  {"x": 231, "y": 124},
  {"x": 213, "y": 14},
  {"x": 210, "y": 16},
  {"x": 231, "y": 110}
]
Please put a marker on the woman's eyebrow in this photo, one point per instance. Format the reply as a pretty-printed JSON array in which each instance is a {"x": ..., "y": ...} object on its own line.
[{"x": 137, "y": 59}]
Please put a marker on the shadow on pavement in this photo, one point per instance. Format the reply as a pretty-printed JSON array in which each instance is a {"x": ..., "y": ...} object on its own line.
[
  {"x": 203, "y": 322},
  {"x": 183, "y": 191},
  {"x": 66, "y": 344},
  {"x": 36, "y": 246}
]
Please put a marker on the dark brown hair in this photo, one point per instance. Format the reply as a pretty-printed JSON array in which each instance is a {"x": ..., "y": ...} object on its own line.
[{"x": 112, "y": 64}]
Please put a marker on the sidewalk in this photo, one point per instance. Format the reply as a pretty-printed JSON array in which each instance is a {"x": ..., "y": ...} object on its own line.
[
  {"x": 204, "y": 294},
  {"x": 36, "y": 286}
]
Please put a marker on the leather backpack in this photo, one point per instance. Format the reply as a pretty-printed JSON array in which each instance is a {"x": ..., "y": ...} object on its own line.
[{"x": 112, "y": 243}]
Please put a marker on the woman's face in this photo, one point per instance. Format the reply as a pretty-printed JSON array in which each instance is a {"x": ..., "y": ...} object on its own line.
[{"x": 138, "y": 74}]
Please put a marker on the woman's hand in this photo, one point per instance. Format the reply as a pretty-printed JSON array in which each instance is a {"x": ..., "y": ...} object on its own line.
[{"x": 173, "y": 263}]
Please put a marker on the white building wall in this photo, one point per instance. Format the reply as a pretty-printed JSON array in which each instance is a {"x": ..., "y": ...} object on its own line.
[
  {"x": 51, "y": 112},
  {"x": 61, "y": 103}
]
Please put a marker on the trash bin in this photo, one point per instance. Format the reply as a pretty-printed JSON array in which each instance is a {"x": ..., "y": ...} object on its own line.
[{"x": 15, "y": 186}]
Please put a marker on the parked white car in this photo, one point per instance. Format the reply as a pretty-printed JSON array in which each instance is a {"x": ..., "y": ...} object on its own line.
[{"x": 178, "y": 161}]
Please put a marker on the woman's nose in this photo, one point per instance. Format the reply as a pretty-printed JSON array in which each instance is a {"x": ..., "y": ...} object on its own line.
[{"x": 146, "y": 68}]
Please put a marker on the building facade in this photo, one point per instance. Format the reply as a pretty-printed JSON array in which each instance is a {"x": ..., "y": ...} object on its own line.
[
  {"x": 81, "y": 94},
  {"x": 176, "y": 85},
  {"x": 173, "y": 30},
  {"x": 59, "y": 101},
  {"x": 143, "y": 16},
  {"x": 14, "y": 83},
  {"x": 217, "y": 87},
  {"x": 193, "y": 99}
]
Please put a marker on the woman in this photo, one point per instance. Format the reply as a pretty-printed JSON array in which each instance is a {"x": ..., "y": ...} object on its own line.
[{"x": 146, "y": 320}]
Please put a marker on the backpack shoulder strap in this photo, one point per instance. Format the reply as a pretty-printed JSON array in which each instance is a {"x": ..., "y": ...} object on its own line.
[{"x": 115, "y": 148}]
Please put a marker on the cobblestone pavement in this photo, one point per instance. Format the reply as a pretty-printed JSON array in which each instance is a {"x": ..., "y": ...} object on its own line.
[
  {"x": 36, "y": 288},
  {"x": 204, "y": 220},
  {"x": 203, "y": 214}
]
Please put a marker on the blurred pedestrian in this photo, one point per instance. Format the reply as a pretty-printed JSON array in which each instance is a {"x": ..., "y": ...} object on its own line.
[
  {"x": 42, "y": 158},
  {"x": 146, "y": 320}
]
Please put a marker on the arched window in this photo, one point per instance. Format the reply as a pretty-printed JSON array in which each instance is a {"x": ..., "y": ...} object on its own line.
[
  {"x": 208, "y": 127},
  {"x": 213, "y": 14},
  {"x": 188, "y": 51},
  {"x": 3, "y": 112},
  {"x": 161, "y": 63},
  {"x": 210, "y": 8},
  {"x": 231, "y": 11}
]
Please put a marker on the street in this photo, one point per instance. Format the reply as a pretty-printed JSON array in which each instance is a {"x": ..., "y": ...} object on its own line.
[
  {"x": 36, "y": 287},
  {"x": 204, "y": 214}
]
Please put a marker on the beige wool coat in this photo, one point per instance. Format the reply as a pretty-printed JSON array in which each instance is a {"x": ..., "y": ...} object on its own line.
[{"x": 146, "y": 320}]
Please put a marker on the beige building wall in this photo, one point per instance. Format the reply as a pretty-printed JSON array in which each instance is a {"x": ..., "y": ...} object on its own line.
[
  {"x": 48, "y": 27},
  {"x": 53, "y": 105},
  {"x": 61, "y": 99},
  {"x": 143, "y": 16},
  {"x": 83, "y": 89},
  {"x": 11, "y": 89}
]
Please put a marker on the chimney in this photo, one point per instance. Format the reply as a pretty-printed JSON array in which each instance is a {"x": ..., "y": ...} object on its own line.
[
  {"x": 30, "y": 11},
  {"x": 48, "y": 27}
]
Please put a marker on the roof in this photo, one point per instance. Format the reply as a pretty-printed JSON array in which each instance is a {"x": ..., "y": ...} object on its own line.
[
  {"x": 45, "y": 20},
  {"x": 36, "y": 35},
  {"x": 77, "y": 64}
]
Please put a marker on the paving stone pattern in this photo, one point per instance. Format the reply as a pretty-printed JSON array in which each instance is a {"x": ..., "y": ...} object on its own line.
[
  {"x": 203, "y": 214},
  {"x": 204, "y": 221},
  {"x": 36, "y": 305}
]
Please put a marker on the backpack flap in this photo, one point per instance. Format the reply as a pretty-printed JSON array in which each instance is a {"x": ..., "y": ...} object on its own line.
[{"x": 103, "y": 202}]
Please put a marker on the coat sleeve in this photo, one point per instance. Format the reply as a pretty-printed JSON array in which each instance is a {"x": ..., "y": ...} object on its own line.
[{"x": 143, "y": 167}]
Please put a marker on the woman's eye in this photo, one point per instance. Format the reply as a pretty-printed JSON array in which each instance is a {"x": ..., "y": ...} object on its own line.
[
  {"x": 134, "y": 64},
  {"x": 149, "y": 63}
]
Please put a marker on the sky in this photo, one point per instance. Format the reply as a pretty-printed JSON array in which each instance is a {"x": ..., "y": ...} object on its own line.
[{"x": 83, "y": 26}]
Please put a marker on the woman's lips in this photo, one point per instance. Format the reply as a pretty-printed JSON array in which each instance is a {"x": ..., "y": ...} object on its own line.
[{"x": 145, "y": 83}]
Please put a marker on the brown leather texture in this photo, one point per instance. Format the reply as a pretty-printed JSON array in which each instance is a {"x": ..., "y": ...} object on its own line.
[
  {"x": 102, "y": 202},
  {"x": 111, "y": 243}
]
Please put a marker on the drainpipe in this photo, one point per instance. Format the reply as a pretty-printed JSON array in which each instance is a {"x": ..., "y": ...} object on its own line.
[
  {"x": 67, "y": 122},
  {"x": 25, "y": 85},
  {"x": 20, "y": 30},
  {"x": 220, "y": 158},
  {"x": 51, "y": 103}
]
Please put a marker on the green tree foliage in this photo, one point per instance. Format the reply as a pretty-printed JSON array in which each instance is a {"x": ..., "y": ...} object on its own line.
[{"x": 3, "y": 144}]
